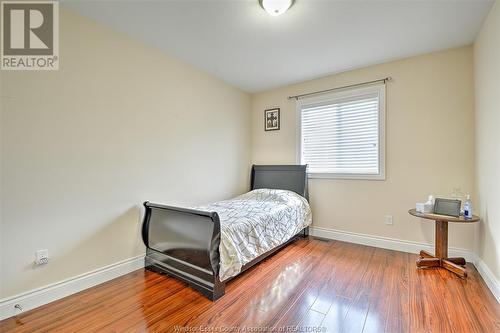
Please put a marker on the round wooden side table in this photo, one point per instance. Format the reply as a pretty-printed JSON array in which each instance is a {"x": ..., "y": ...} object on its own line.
[{"x": 440, "y": 257}]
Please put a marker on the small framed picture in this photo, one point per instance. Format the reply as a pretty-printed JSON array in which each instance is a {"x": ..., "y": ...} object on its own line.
[{"x": 272, "y": 119}]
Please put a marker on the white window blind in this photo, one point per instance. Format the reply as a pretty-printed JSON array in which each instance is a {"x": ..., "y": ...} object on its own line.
[{"x": 341, "y": 134}]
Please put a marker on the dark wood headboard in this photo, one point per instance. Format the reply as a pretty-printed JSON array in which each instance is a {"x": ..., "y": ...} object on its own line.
[{"x": 283, "y": 177}]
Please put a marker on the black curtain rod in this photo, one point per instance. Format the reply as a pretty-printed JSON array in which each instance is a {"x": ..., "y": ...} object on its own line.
[{"x": 384, "y": 80}]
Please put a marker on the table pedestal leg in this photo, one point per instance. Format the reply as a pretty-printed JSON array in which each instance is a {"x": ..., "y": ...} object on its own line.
[
  {"x": 441, "y": 239},
  {"x": 440, "y": 258}
]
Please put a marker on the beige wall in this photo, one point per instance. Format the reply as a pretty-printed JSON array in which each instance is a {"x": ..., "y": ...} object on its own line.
[
  {"x": 487, "y": 79},
  {"x": 84, "y": 146},
  {"x": 2, "y": 253},
  {"x": 430, "y": 146}
]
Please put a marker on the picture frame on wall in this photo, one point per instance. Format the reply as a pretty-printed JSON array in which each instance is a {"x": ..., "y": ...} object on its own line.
[{"x": 272, "y": 119}]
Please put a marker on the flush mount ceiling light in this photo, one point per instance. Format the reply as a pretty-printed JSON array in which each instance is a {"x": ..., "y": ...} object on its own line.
[{"x": 276, "y": 7}]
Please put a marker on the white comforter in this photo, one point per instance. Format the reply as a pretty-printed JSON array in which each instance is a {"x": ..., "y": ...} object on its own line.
[{"x": 255, "y": 223}]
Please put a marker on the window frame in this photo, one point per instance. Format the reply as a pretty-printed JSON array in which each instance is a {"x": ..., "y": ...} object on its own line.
[{"x": 342, "y": 94}]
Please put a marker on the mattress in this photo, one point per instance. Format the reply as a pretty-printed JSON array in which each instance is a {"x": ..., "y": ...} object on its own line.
[{"x": 257, "y": 222}]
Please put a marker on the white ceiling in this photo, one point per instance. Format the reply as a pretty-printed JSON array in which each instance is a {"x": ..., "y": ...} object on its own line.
[{"x": 238, "y": 42}]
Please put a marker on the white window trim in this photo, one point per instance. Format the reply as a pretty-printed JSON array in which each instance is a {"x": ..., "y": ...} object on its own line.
[{"x": 380, "y": 88}]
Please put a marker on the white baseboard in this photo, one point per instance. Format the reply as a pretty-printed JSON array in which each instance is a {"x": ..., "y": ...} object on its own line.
[
  {"x": 488, "y": 277},
  {"x": 386, "y": 243},
  {"x": 40, "y": 296},
  {"x": 410, "y": 247}
]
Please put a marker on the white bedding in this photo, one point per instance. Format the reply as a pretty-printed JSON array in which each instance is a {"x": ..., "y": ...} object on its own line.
[{"x": 256, "y": 222}]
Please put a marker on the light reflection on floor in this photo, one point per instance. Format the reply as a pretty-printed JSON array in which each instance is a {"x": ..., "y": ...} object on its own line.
[{"x": 282, "y": 286}]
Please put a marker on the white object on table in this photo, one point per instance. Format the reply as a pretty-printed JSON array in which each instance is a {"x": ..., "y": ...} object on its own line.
[{"x": 426, "y": 207}]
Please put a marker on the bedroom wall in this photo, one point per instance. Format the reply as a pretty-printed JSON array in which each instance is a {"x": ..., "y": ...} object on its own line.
[
  {"x": 487, "y": 81},
  {"x": 429, "y": 149},
  {"x": 83, "y": 147},
  {"x": 1, "y": 197}
]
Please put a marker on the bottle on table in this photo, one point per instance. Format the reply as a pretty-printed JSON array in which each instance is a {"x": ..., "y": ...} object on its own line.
[{"x": 468, "y": 208}]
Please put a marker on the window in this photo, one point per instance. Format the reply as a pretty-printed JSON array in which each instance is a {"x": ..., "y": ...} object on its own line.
[{"x": 341, "y": 134}]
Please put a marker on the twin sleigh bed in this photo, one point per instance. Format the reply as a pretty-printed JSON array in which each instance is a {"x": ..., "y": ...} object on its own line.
[{"x": 206, "y": 246}]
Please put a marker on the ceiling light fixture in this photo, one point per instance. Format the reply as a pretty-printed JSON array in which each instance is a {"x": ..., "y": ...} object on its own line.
[{"x": 276, "y": 7}]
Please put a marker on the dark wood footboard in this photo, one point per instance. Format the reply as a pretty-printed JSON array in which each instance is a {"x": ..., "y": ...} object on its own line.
[{"x": 184, "y": 243}]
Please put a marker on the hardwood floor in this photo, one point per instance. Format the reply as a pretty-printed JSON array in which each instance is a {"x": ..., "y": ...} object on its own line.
[{"x": 310, "y": 286}]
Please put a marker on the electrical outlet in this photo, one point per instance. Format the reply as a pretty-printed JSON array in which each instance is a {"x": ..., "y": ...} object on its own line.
[
  {"x": 388, "y": 220},
  {"x": 41, "y": 257}
]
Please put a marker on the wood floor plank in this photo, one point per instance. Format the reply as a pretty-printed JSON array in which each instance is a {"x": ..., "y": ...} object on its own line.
[
  {"x": 397, "y": 285},
  {"x": 328, "y": 293},
  {"x": 440, "y": 321},
  {"x": 369, "y": 296},
  {"x": 311, "y": 321},
  {"x": 335, "y": 321},
  {"x": 293, "y": 314},
  {"x": 356, "y": 315},
  {"x": 311, "y": 283},
  {"x": 380, "y": 270}
]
